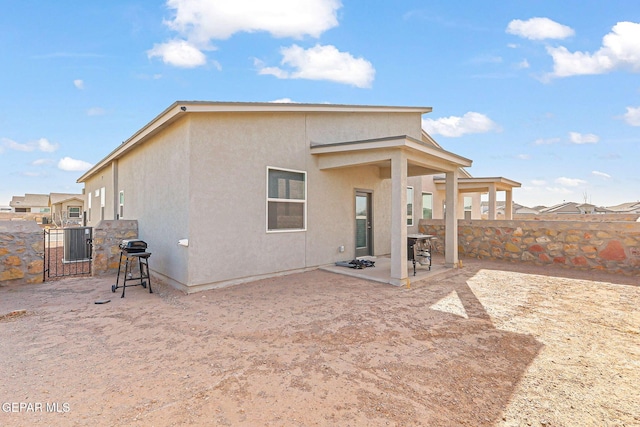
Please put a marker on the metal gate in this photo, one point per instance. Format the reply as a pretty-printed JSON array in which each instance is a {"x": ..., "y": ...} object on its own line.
[{"x": 67, "y": 252}]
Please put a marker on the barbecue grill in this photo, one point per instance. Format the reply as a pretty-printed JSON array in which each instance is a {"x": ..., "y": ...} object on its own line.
[{"x": 132, "y": 252}]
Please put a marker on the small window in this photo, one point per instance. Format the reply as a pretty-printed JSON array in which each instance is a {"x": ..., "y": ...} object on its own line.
[
  {"x": 102, "y": 197},
  {"x": 74, "y": 212},
  {"x": 286, "y": 200},
  {"x": 427, "y": 206},
  {"x": 121, "y": 199},
  {"x": 409, "y": 205},
  {"x": 468, "y": 205}
]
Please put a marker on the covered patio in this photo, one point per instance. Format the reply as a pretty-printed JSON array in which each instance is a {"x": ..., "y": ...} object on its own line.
[
  {"x": 490, "y": 185},
  {"x": 397, "y": 158}
]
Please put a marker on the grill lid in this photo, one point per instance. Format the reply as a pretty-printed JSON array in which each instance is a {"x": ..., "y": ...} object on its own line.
[{"x": 133, "y": 245}]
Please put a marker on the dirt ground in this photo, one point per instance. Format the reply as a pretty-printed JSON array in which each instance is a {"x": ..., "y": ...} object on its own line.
[{"x": 490, "y": 344}]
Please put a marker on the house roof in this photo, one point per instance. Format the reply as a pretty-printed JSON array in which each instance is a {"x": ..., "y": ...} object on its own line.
[
  {"x": 626, "y": 207},
  {"x": 180, "y": 108},
  {"x": 30, "y": 200},
  {"x": 479, "y": 184},
  {"x": 422, "y": 158},
  {"x": 63, "y": 197}
]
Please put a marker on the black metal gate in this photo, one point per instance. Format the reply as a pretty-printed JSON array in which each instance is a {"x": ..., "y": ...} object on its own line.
[{"x": 67, "y": 252}]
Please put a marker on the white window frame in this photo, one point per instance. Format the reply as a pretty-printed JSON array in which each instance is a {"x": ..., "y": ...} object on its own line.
[
  {"x": 303, "y": 201},
  {"x": 121, "y": 204},
  {"x": 424, "y": 193},
  {"x": 410, "y": 217},
  {"x": 74, "y": 207}
]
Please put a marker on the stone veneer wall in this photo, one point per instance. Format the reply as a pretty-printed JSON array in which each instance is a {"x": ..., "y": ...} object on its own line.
[
  {"x": 21, "y": 252},
  {"x": 107, "y": 236},
  {"x": 610, "y": 246}
]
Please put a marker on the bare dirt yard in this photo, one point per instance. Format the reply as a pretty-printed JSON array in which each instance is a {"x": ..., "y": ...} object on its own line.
[{"x": 490, "y": 344}]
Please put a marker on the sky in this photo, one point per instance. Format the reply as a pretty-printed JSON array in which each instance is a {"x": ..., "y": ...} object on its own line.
[{"x": 542, "y": 92}]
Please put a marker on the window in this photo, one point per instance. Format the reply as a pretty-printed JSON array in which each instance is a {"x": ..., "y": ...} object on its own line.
[
  {"x": 409, "y": 205},
  {"x": 427, "y": 206},
  {"x": 73, "y": 212},
  {"x": 467, "y": 207},
  {"x": 286, "y": 200},
  {"x": 102, "y": 202},
  {"x": 89, "y": 206},
  {"x": 121, "y": 199}
]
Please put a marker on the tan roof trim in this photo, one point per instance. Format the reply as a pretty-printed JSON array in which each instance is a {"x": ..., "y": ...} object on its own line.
[
  {"x": 481, "y": 183},
  {"x": 400, "y": 141},
  {"x": 180, "y": 108}
]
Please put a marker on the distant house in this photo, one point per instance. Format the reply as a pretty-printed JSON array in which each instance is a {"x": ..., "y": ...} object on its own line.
[
  {"x": 432, "y": 200},
  {"x": 574, "y": 208},
  {"x": 66, "y": 209},
  {"x": 62, "y": 209},
  {"x": 630, "y": 208},
  {"x": 260, "y": 189},
  {"x": 516, "y": 208},
  {"x": 31, "y": 203}
]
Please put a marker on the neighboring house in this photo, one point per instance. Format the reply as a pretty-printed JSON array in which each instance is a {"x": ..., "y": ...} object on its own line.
[
  {"x": 66, "y": 209},
  {"x": 31, "y": 203},
  {"x": 630, "y": 208},
  {"x": 516, "y": 209},
  {"x": 260, "y": 189},
  {"x": 430, "y": 203},
  {"x": 574, "y": 208}
]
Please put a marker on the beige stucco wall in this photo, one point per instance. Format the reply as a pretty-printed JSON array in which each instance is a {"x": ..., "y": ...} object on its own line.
[
  {"x": 155, "y": 179},
  {"x": 230, "y": 154},
  {"x": 204, "y": 178},
  {"x": 103, "y": 178}
]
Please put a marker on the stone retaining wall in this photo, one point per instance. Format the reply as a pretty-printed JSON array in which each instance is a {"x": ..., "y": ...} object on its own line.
[
  {"x": 21, "y": 252},
  {"x": 107, "y": 236},
  {"x": 608, "y": 246}
]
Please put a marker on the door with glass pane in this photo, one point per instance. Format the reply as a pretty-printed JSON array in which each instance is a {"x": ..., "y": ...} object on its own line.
[{"x": 364, "y": 230}]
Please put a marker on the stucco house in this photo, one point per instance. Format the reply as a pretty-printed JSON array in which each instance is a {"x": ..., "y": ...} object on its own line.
[
  {"x": 258, "y": 189},
  {"x": 66, "y": 209},
  {"x": 31, "y": 203}
]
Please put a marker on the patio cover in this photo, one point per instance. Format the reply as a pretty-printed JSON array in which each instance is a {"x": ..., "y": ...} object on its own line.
[
  {"x": 486, "y": 185},
  {"x": 398, "y": 157}
]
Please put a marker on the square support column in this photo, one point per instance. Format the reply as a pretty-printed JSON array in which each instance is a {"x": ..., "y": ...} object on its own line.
[
  {"x": 451, "y": 220},
  {"x": 508, "y": 205},
  {"x": 492, "y": 202},
  {"x": 399, "y": 219}
]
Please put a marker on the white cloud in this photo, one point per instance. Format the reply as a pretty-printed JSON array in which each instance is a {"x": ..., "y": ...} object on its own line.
[
  {"x": 179, "y": 53},
  {"x": 523, "y": 64},
  {"x": 620, "y": 49},
  {"x": 523, "y": 156},
  {"x": 570, "y": 182},
  {"x": 13, "y": 145},
  {"x": 69, "y": 164},
  {"x": 586, "y": 138},
  {"x": 203, "y": 20},
  {"x": 41, "y": 162},
  {"x": 539, "y": 29},
  {"x": 632, "y": 116},
  {"x": 453, "y": 126},
  {"x": 95, "y": 111},
  {"x": 322, "y": 63},
  {"x": 46, "y": 146},
  {"x": 538, "y": 182},
  {"x": 79, "y": 84},
  {"x": 42, "y": 144},
  {"x": 547, "y": 141},
  {"x": 283, "y": 101},
  {"x": 601, "y": 174},
  {"x": 199, "y": 22}
]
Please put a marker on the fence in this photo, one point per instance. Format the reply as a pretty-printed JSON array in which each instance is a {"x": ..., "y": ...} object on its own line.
[{"x": 606, "y": 246}]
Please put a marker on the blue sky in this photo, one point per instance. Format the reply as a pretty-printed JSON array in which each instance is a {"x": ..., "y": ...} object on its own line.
[{"x": 542, "y": 92}]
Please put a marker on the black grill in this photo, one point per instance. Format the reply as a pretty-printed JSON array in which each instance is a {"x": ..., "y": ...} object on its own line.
[{"x": 133, "y": 246}]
